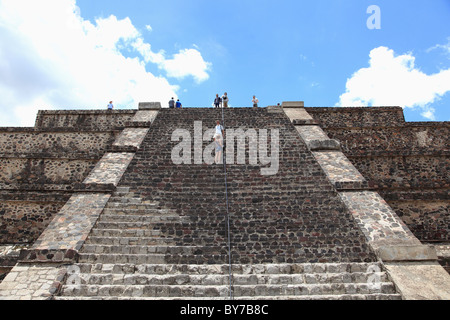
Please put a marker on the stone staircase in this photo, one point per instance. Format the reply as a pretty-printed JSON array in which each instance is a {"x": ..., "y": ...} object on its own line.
[
  {"x": 163, "y": 234},
  {"x": 293, "y": 216},
  {"x": 129, "y": 231},
  {"x": 124, "y": 259},
  {"x": 339, "y": 281}
]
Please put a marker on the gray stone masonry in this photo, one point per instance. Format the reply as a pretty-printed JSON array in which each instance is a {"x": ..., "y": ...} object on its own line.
[
  {"x": 144, "y": 228},
  {"x": 386, "y": 233},
  {"x": 39, "y": 273},
  {"x": 162, "y": 234}
]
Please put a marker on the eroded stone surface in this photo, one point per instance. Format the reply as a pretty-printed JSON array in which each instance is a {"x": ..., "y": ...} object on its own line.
[
  {"x": 377, "y": 220},
  {"x": 145, "y": 116},
  {"x": 337, "y": 167},
  {"x": 131, "y": 137},
  {"x": 309, "y": 133},
  {"x": 32, "y": 282},
  {"x": 297, "y": 114},
  {"x": 420, "y": 281},
  {"x": 71, "y": 226},
  {"x": 110, "y": 168}
]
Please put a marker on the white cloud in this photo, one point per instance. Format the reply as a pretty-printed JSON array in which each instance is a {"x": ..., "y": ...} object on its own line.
[
  {"x": 394, "y": 80},
  {"x": 188, "y": 62},
  {"x": 428, "y": 114},
  {"x": 443, "y": 47},
  {"x": 50, "y": 57}
]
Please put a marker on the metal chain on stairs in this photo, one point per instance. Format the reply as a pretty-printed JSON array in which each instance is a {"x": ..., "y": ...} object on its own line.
[{"x": 227, "y": 207}]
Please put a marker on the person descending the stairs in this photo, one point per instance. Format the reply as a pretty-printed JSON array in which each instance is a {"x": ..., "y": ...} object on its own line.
[{"x": 218, "y": 139}]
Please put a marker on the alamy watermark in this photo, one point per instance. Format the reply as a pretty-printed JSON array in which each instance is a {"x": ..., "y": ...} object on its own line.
[
  {"x": 374, "y": 21},
  {"x": 259, "y": 150}
]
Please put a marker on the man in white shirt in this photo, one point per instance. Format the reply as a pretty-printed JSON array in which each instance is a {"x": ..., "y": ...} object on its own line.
[
  {"x": 255, "y": 102},
  {"x": 225, "y": 100}
]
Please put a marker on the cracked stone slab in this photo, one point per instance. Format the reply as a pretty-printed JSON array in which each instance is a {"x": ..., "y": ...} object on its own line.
[
  {"x": 339, "y": 169},
  {"x": 131, "y": 137},
  {"x": 407, "y": 253},
  {"x": 309, "y": 133},
  {"x": 316, "y": 139},
  {"x": 149, "y": 105},
  {"x": 145, "y": 116},
  {"x": 305, "y": 122},
  {"x": 293, "y": 104},
  {"x": 322, "y": 145},
  {"x": 379, "y": 223},
  {"x": 32, "y": 282},
  {"x": 297, "y": 114},
  {"x": 109, "y": 169},
  {"x": 68, "y": 231},
  {"x": 420, "y": 281}
]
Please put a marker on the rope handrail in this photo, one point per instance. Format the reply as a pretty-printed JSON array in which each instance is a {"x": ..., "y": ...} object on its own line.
[{"x": 227, "y": 206}]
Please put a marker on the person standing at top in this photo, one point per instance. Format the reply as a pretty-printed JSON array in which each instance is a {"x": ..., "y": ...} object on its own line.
[
  {"x": 110, "y": 106},
  {"x": 225, "y": 100},
  {"x": 217, "y": 101},
  {"x": 172, "y": 103},
  {"x": 255, "y": 102},
  {"x": 178, "y": 104}
]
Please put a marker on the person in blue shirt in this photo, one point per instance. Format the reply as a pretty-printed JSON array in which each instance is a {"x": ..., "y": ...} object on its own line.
[{"x": 178, "y": 104}]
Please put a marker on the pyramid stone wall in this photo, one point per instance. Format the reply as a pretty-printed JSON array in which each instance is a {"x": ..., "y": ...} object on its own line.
[
  {"x": 406, "y": 162},
  {"x": 42, "y": 166},
  {"x": 335, "y": 198}
]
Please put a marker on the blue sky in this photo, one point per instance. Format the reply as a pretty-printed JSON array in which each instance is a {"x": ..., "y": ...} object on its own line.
[{"x": 67, "y": 54}]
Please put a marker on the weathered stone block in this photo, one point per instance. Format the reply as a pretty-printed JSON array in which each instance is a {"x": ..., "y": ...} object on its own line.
[
  {"x": 406, "y": 253},
  {"x": 149, "y": 105},
  {"x": 330, "y": 144},
  {"x": 293, "y": 104}
]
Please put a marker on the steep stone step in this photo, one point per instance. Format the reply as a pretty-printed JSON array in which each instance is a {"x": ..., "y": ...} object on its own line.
[
  {"x": 377, "y": 296},
  {"x": 122, "y": 258},
  {"x": 212, "y": 279},
  {"x": 152, "y": 258},
  {"x": 127, "y": 211},
  {"x": 327, "y": 281},
  {"x": 125, "y": 233},
  {"x": 143, "y": 250},
  {"x": 140, "y": 218},
  {"x": 237, "y": 269},
  {"x": 188, "y": 291},
  {"x": 143, "y": 206},
  {"x": 129, "y": 241},
  {"x": 126, "y": 199},
  {"x": 122, "y": 225}
]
